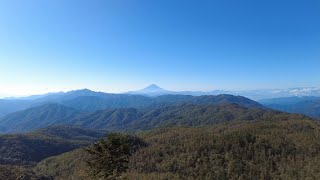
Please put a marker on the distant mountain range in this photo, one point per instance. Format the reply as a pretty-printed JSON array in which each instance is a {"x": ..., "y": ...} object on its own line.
[
  {"x": 84, "y": 99},
  {"x": 307, "y": 105},
  {"x": 187, "y": 133},
  {"x": 154, "y": 90},
  {"x": 105, "y": 111},
  {"x": 89, "y": 101},
  {"x": 154, "y": 96}
]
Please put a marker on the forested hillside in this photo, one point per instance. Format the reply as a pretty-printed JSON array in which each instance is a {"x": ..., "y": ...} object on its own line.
[
  {"x": 130, "y": 119},
  {"x": 104, "y": 111},
  {"x": 267, "y": 149},
  {"x": 182, "y": 115},
  {"x": 30, "y": 148},
  {"x": 36, "y": 117},
  {"x": 71, "y": 165},
  {"x": 8, "y": 172},
  {"x": 197, "y": 115},
  {"x": 9, "y": 106},
  {"x": 259, "y": 150}
]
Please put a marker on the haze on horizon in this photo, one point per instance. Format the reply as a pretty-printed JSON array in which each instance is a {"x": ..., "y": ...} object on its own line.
[{"x": 118, "y": 46}]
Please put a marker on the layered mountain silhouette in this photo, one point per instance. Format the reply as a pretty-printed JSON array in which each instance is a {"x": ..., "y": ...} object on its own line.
[
  {"x": 89, "y": 101},
  {"x": 84, "y": 99},
  {"x": 155, "y": 90},
  {"x": 16, "y": 104},
  {"x": 167, "y": 110},
  {"x": 308, "y": 105},
  {"x": 195, "y": 133}
]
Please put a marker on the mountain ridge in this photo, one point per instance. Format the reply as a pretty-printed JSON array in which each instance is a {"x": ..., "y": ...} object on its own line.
[
  {"x": 36, "y": 117},
  {"x": 61, "y": 112},
  {"x": 15, "y": 104},
  {"x": 308, "y": 105},
  {"x": 189, "y": 113}
]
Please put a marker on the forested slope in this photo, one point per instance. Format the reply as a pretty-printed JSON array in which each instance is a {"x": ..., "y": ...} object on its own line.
[
  {"x": 30, "y": 148},
  {"x": 267, "y": 149}
]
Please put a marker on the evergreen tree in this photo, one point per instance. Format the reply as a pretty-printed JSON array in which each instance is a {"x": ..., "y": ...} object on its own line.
[{"x": 110, "y": 156}]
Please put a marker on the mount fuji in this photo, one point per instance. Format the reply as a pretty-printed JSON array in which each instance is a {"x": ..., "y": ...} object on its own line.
[{"x": 152, "y": 90}]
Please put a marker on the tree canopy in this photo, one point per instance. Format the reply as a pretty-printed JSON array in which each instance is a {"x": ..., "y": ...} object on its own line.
[{"x": 110, "y": 156}]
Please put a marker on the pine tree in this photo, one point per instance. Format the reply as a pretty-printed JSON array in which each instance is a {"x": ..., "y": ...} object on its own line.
[{"x": 110, "y": 156}]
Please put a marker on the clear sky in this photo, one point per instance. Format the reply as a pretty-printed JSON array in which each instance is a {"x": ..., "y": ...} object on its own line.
[{"x": 120, "y": 45}]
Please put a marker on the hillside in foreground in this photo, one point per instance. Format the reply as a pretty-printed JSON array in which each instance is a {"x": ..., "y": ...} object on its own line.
[{"x": 266, "y": 149}]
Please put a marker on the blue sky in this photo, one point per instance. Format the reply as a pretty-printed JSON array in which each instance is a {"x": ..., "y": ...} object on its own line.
[{"x": 120, "y": 45}]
